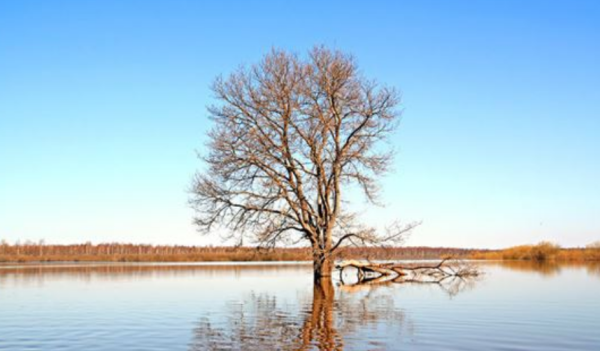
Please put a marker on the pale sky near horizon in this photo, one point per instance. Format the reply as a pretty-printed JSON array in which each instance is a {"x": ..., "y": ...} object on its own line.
[{"x": 102, "y": 106}]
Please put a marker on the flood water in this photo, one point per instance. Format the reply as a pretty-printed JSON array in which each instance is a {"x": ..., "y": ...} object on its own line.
[{"x": 513, "y": 306}]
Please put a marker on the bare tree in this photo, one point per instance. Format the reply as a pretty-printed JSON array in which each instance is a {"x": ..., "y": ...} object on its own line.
[{"x": 289, "y": 135}]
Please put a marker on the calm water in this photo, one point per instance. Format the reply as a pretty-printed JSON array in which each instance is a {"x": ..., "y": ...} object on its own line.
[{"x": 515, "y": 306}]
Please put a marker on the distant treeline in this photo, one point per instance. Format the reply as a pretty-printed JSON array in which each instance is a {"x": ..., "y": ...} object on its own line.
[
  {"x": 544, "y": 251},
  {"x": 115, "y": 252}
]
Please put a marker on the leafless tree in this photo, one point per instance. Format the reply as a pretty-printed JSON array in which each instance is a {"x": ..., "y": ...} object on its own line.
[{"x": 289, "y": 135}]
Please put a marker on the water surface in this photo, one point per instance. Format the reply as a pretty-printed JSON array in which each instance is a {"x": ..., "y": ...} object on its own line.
[{"x": 514, "y": 306}]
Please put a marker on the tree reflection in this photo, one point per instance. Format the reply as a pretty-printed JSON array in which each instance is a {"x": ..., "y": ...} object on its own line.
[
  {"x": 328, "y": 322},
  {"x": 451, "y": 286},
  {"x": 319, "y": 325},
  {"x": 261, "y": 323}
]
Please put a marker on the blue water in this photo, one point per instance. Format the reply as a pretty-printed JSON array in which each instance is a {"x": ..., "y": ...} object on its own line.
[{"x": 515, "y": 306}]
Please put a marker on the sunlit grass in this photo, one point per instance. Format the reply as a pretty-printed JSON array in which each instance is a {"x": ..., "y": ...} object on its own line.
[{"x": 543, "y": 251}]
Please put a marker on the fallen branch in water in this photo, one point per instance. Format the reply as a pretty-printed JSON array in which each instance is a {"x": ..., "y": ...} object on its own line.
[{"x": 390, "y": 272}]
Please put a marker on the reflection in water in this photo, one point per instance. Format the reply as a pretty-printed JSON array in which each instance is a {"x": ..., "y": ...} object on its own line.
[
  {"x": 261, "y": 324},
  {"x": 594, "y": 269},
  {"x": 319, "y": 327},
  {"x": 88, "y": 272},
  {"x": 452, "y": 285},
  {"x": 255, "y": 324},
  {"x": 327, "y": 321},
  {"x": 548, "y": 268},
  {"x": 99, "y": 307}
]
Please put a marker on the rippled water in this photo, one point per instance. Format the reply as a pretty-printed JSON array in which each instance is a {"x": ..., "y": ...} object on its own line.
[{"x": 514, "y": 306}]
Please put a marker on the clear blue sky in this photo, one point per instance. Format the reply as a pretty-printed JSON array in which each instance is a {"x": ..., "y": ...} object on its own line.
[{"x": 102, "y": 106}]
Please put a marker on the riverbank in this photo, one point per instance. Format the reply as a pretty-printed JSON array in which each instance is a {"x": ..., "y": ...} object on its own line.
[
  {"x": 544, "y": 251},
  {"x": 114, "y": 252}
]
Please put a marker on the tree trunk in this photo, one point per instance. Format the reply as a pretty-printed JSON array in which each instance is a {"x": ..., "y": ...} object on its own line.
[{"x": 322, "y": 266}]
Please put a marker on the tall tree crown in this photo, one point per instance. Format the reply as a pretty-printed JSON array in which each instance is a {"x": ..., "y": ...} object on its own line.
[{"x": 289, "y": 134}]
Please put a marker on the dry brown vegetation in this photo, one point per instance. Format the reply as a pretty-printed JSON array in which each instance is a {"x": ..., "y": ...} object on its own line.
[
  {"x": 544, "y": 251},
  {"x": 114, "y": 252}
]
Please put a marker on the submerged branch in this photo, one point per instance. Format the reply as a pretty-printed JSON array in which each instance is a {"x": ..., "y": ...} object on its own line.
[{"x": 369, "y": 273}]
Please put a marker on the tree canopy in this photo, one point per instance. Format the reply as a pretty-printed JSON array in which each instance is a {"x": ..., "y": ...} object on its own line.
[{"x": 289, "y": 135}]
